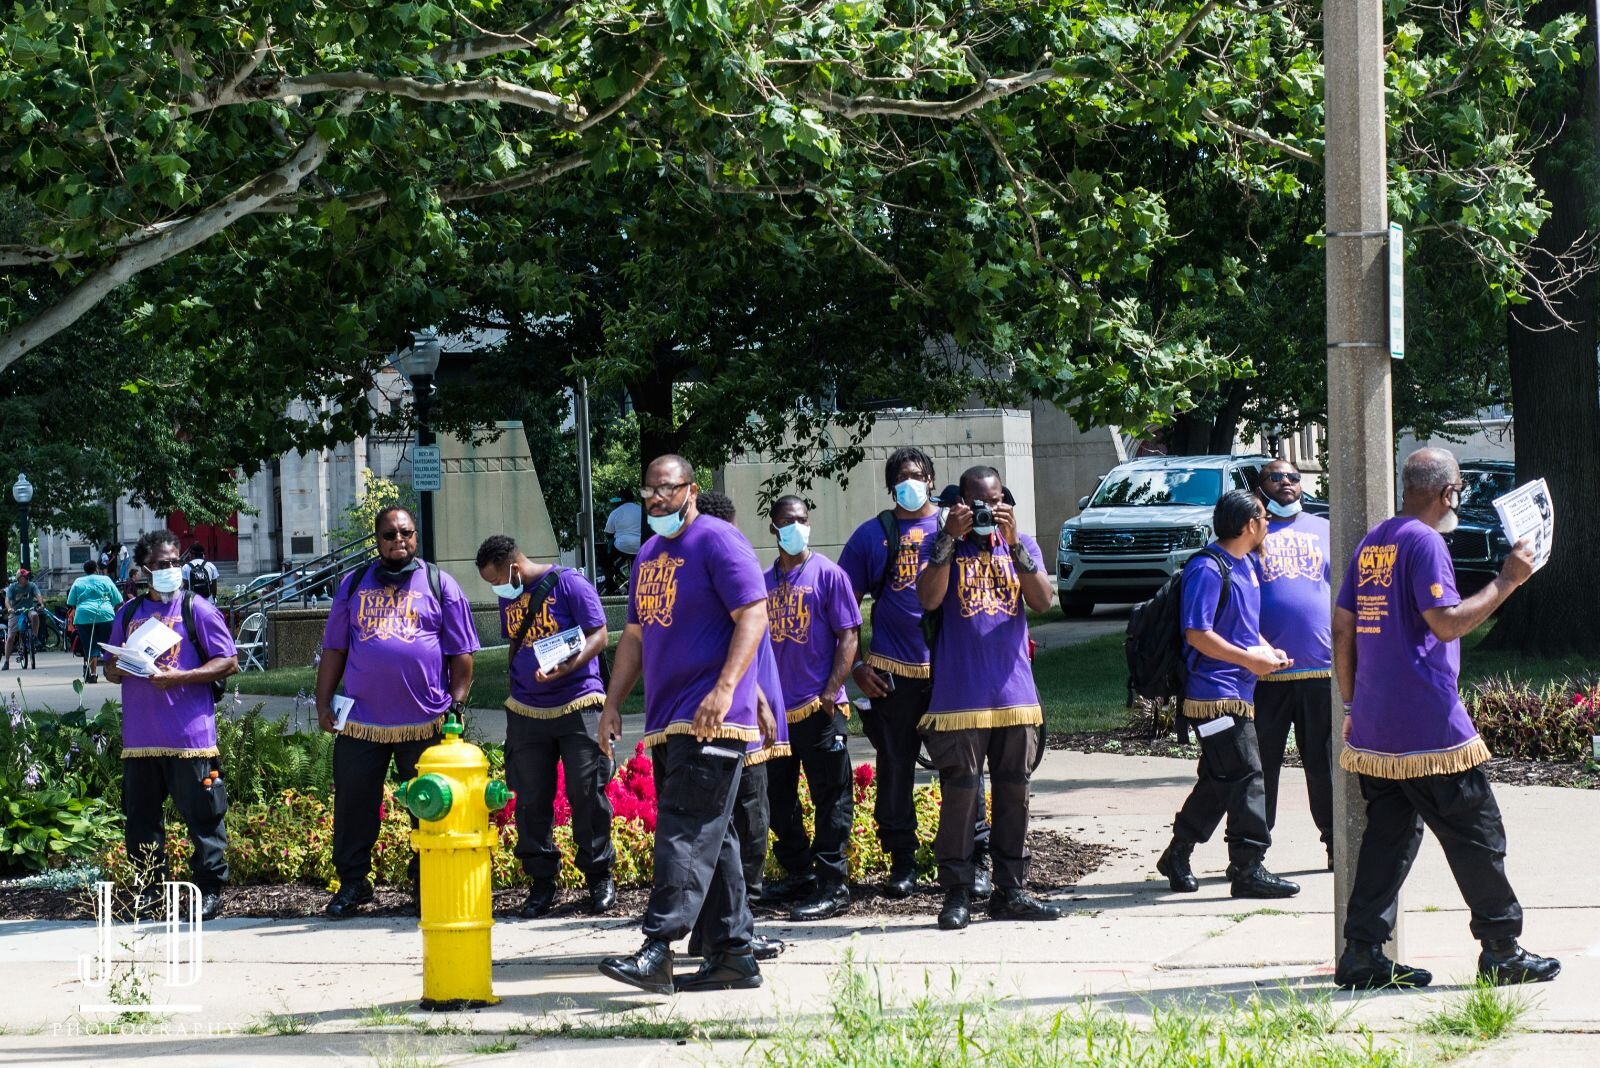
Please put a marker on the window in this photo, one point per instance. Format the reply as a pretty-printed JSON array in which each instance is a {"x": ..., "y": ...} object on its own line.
[
  {"x": 78, "y": 555},
  {"x": 1177, "y": 485},
  {"x": 302, "y": 545}
]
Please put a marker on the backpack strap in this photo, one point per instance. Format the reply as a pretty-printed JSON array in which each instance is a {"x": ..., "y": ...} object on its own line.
[
  {"x": 1225, "y": 566},
  {"x": 187, "y": 611},
  {"x": 535, "y": 596},
  {"x": 435, "y": 584},
  {"x": 891, "y": 546}
]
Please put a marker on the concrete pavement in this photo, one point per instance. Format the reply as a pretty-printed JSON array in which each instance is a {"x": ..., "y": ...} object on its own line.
[{"x": 1126, "y": 945}]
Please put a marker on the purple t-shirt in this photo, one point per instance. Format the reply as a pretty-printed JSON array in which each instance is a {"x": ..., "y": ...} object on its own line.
[
  {"x": 807, "y": 609},
  {"x": 981, "y": 673},
  {"x": 897, "y": 645},
  {"x": 181, "y": 721},
  {"x": 1406, "y": 703},
  {"x": 398, "y": 636},
  {"x": 1239, "y": 623},
  {"x": 572, "y": 602},
  {"x": 765, "y": 669},
  {"x": 684, "y": 591},
  {"x": 1296, "y": 600}
]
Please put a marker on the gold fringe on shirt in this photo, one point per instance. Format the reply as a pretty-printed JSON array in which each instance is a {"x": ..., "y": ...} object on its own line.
[
  {"x": 899, "y": 667},
  {"x": 970, "y": 719},
  {"x": 795, "y": 715},
  {"x": 775, "y": 751},
  {"x": 727, "y": 730},
  {"x": 843, "y": 708},
  {"x": 1463, "y": 757},
  {"x": 588, "y": 700},
  {"x": 158, "y": 751},
  {"x": 1296, "y": 676},
  {"x": 374, "y": 732},
  {"x": 1231, "y": 706}
]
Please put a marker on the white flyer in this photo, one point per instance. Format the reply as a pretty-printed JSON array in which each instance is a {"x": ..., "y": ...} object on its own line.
[
  {"x": 1528, "y": 514},
  {"x": 341, "y": 710},
  {"x": 558, "y": 648},
  {"x": 138, "y": 652}
]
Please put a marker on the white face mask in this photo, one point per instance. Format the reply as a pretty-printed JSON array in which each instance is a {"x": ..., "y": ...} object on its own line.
[{"x": 167, "y": 580}]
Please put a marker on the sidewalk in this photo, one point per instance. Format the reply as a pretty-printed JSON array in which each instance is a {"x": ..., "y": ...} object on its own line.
[{"x": 1127, "y": 944}]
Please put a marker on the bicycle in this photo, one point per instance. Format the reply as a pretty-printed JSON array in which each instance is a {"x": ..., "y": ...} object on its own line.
[{"x": 25, "y": 653}]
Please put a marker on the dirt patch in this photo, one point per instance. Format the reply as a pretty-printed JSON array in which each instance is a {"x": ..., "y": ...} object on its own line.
[
  {"x": 1059, "y": 862},
  {"x": 1135, "y": 741}
]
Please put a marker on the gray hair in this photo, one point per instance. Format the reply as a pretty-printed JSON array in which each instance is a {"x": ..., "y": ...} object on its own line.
[{"x": 1428, "y": 471}]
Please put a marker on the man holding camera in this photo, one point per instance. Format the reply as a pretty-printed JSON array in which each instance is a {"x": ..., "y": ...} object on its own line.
[{"x": 981, "y": 574}]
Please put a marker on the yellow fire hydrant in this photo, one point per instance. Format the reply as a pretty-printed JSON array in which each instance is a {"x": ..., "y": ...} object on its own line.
[{"x": 453, "y": 795}]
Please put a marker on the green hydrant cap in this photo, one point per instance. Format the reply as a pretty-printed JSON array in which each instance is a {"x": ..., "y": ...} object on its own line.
[
  {"x": 428, "y": 797},
  {"x": 497, "y": 795}
]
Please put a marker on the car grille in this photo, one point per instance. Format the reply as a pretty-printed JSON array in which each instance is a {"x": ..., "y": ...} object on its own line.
[
  {"x": 1469, "y": 545},
  {"x": 1130, "y": 542}
]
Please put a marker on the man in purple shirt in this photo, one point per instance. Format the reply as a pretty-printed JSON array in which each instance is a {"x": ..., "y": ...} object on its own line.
[
  {"x": 894, "y": 672},
  {"x": 1397, "y": 633},
  {"x": 553, "y": 716},
  {"x": 1225, "y": 655},
  {"x": 815, "y": 624},
  {"x": 697, "y": 609},
  {"x": 982, "y": 574},
  {"x": 1296, "y": 608},
  {"x": 169, "y": 727},
  {"x": 400, "y": 635}
]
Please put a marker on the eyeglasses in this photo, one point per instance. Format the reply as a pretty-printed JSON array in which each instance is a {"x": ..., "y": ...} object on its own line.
[
  {"x": 1291, "y": 477},
  {"x": 398, "y": 535},
  {"x": 162, "y": 565},
  {"x": 647, "y": 492}
]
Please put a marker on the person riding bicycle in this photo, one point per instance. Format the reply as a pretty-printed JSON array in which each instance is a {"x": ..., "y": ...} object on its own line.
[{"x": 22, "y": 599}]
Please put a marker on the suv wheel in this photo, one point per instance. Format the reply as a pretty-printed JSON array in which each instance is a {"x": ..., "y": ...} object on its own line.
[{"x": 1076, "y": 606}]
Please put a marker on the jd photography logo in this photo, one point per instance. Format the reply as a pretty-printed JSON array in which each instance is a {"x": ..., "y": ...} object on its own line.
[{"x": 123, "y": 952}]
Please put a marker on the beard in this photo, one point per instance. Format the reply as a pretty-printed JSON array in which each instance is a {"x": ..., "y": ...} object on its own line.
[{"x": 1449, "y": 522}]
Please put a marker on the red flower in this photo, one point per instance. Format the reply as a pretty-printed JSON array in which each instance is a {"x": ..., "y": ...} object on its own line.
[{"x": 863, "y": 779}]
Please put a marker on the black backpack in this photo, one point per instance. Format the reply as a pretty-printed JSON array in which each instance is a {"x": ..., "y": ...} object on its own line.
[
  {"x": 1155, "y": 646},
  {"x": 200, "y": 583}
]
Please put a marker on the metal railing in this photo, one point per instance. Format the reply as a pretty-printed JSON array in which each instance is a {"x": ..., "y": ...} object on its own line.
[{"x": 309, "y": 581}]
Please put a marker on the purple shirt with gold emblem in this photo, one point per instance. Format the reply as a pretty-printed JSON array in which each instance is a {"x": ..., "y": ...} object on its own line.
[
  {"x": 807, "y": 609},
  {"x": 897, "y": 643},
  {"x": 572, "y": 602},
  {"x": 181, "y": 721},
  {"x": 1296, "y": 608}
]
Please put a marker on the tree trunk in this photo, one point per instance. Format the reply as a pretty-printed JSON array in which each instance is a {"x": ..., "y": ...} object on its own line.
[
  {"x": 658, "y": 431},
  {"x": 1555, "y": 397}
]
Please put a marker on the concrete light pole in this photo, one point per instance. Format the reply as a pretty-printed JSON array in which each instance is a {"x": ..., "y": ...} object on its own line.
[{"x": 1360, "y": 421}]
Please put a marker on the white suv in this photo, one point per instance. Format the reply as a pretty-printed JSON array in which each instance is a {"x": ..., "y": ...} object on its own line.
[{"x": 1141, "y": 524}]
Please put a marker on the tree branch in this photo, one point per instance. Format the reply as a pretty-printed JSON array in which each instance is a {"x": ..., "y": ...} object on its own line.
[
  {"x": 990, "y": 89},
  {"x": 622, "y": 101},
  {"x": 1172, "y": 46},
  {"x": 494, "y": 44},
  {"x": 283, "y": 88},
  {"x": 1260, "y": 137},
  {"x": 246, "y": 200}
]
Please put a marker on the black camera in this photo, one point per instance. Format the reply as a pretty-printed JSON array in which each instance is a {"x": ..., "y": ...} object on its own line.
[{"x": 982, "y": 514}]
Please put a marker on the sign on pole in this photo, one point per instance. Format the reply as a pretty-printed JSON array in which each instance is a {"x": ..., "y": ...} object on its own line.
[
  {"x": 1397, "y": 292},
  {"x": 425, "y": 474}
]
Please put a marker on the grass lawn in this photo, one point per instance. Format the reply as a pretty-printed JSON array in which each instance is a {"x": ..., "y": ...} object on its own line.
[
  {"x": 1083, "y": 687},
  {"x": 1479, "y": 663}
]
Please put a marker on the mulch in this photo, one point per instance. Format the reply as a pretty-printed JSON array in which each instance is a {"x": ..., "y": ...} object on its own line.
[
  {"x": 1136, "y": 741},
  {"x": 1059, "y": 862}
]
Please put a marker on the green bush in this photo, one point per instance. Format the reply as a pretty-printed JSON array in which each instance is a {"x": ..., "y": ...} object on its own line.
[
  {"x": 52, "y": 828},
  {"x": 262, "y": 758},
  {"x": 1551, "y": 721}
]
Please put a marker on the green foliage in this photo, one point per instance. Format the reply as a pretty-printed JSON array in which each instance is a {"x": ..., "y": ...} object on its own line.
[
  {"x": 49, "y": 827},
  {"x": 1552, "y": 721},
  {"x": 377, "y": 494},
  {"x": 1486, "y": 1013},
  {"x": 262, "y": 758}
]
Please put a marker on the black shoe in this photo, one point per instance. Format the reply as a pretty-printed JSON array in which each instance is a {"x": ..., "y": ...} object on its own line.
[
  {"x": 1257, "y": 881},
  {"x": 1174, "y": 864},
  {"x": 902, "y": 881},
  {"x": 724, "y": 971},
  {"x": 1364, "y": 967},
  {"x": 351, "y": 896},
  {"x": 789, "y": 888},
  {"x": 829, "y": 900},
  {"x": 649, "y": 969},
  {"x": 1013, "y": 903},
  {"x": 541, "y": 899},
  {"x": 766, "y": 947},
  {"x": 211, "y": 905},
  {"x": 602, "y": 895},
  {"x": 1504, "y": 963},
  {"x": 982, "y": 882},
  {"x": 957, "y": 910}
]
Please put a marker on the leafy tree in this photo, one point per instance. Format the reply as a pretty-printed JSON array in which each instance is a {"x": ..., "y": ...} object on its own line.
[{"x": 377, "y": 494}]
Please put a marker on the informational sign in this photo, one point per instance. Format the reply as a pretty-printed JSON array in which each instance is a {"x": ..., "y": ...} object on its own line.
[
  {"x": 1397, "y": 292},
  {"x": 425, "y": 471}
]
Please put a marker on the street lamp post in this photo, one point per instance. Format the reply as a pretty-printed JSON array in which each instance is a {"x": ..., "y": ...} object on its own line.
[
  {"x": 22, "y": 493},
  {"x": 419, "y": 362}
]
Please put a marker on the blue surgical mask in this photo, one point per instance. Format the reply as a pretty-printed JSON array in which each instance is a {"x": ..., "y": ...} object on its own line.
[
  {"x": 1283, "y": 511},
  {"x": 167, "y": 580},
  {"x": 794, "y": 538},
  {"x": 669, "y": 524},
  {"x": 985, "y": 532},
  {"x": 508, "y": 591},
  {"x": 911, "y": 494}
]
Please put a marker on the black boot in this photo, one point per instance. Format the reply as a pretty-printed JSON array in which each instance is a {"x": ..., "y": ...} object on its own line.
[
  {"x": 1504, "y": 963},
  {"x": 211, "y": 904},
  {"x": 1364, "y": 967},
  {"x": 602, "y": 894},
  {"x": 649, "y": 969},
  {"x": 902, "y": 881},
  {"x": 1174, "y": 864},
  {"x": 1014, "y": 903},
  {"x": 957, "y": 910},
  {"x": 829, "y": 900},
  {"x": 982, "y": 881},
  {"x": 1256, "y": 881},
  {"x": 351, "y": 896},
  {"x": 541, "y": 899},
  {"x": 722, "y": 971},
  {"x": 788, "y": 888},
  {"x": 765, "y": 947}
]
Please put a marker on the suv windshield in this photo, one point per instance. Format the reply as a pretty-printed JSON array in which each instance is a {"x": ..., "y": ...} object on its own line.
[
  {"x": 1480, "y": 488},
  {"x": 1201, "y": 486}
]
